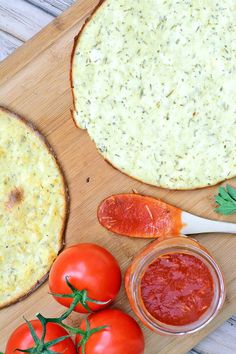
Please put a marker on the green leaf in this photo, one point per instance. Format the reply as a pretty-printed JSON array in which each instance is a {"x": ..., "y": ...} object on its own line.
[
  {"x": 219, "y": 200},
  {"x": 226, "y": 199},
  {"x": 231, "y": 191},
  {"x": 224, "y": 194},
  {"x": 225, "y": 210}
]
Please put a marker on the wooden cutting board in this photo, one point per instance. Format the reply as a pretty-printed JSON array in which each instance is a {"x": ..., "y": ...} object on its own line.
[{"x": 34, "y": 82}]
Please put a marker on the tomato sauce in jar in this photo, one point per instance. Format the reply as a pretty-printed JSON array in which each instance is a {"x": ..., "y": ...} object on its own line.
[{"x": 177, "y": 288}]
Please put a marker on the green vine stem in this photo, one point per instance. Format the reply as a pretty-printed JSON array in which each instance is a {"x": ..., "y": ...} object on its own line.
[
  {"x": 40, "y": 345},
  {"x": 85, "y": 334},
  {"x": 79, "y": 297},
  {"x": 88, "y": 333}
]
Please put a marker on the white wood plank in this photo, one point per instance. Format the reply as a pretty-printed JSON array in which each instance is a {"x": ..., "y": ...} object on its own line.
[
  {"x": 54, "y": 7},
  {"x": 8, "y": 44},
  {"x": 22, "y": 19},
  {"x": 221, "y": 341}
]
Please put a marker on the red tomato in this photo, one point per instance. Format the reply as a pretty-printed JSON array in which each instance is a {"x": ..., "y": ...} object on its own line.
[
  {"x": 122, "y": 335},
  {"x": 21, "y": 338},
  {"x": 88, "y": 267}
]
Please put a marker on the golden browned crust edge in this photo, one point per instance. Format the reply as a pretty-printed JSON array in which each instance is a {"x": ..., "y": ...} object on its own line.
[
  {"x": 61, "y": 238},
  {"x": 76, "y": 41}
]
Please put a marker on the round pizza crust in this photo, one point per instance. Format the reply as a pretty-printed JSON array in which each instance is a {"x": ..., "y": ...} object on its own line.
[
  {"x": 34, "y": 206},
  {"x": 154, "y": 85}
]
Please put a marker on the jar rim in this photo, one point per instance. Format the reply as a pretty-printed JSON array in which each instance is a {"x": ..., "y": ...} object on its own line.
[{"x": 174, "y": 245}]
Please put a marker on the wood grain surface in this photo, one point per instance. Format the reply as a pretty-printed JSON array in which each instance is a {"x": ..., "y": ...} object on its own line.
[{"x": 34, "y": 82}]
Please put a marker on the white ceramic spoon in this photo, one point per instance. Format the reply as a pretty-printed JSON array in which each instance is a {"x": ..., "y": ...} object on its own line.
[{"x": 194, "y": 224}]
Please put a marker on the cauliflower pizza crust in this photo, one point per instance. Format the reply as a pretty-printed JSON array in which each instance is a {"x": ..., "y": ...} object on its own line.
[
  {"x": 33, "y": 208},
  {"x": 154, "y": 85}
]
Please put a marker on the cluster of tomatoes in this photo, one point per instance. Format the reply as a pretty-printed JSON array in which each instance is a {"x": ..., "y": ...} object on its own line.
[{"x": 84, "y": 278}]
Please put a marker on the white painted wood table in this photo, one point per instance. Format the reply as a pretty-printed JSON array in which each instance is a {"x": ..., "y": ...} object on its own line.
[{"x": 19, "y": 21}]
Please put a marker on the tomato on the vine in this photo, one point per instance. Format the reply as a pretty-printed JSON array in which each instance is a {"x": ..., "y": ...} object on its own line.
[
  {"x": 121, "y": 335},
  {"x": 22, "y": 339},
  {"x": 85, "y": 273}
]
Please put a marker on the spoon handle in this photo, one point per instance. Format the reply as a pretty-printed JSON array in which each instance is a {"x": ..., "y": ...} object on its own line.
[{"x": 194, "y": 224}]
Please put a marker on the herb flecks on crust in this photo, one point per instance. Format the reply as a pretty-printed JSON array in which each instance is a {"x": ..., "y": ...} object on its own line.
[
  {"x": 154, "y": 85},
  {"x": 33, "y": 208}
]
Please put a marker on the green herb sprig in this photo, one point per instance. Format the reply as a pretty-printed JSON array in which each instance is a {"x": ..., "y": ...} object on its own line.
[{"x": 226, "y": 199}]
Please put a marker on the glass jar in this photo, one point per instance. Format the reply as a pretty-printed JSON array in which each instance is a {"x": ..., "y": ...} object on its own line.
[{"x": 139, "y": 265}]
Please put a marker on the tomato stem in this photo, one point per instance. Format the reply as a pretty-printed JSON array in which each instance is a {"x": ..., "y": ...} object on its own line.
[
  {"x": 32, "y": 332},
  {"x": 40, "y": 345},
  {"x": 80, "y": 297},
  {"x": 55, "y": 341},
  {"x": 59, "y": 320},
  {"x": 87, "y": 334}
]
